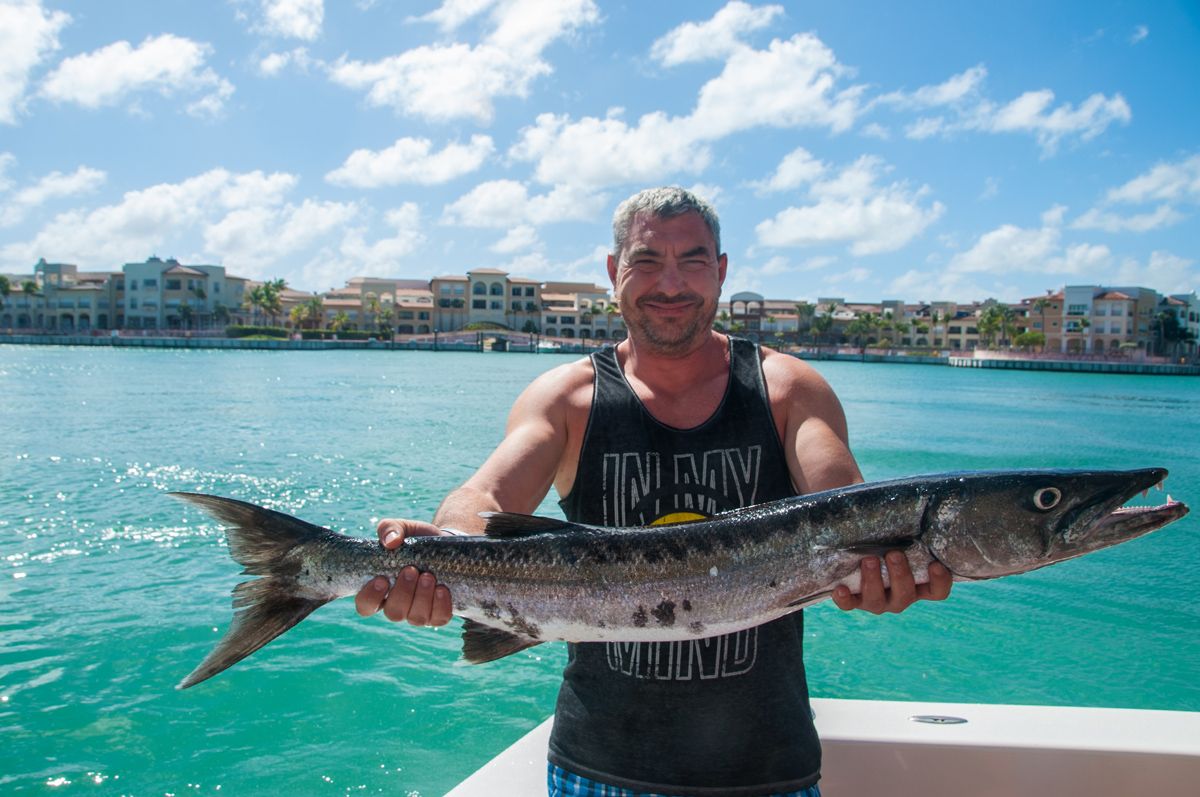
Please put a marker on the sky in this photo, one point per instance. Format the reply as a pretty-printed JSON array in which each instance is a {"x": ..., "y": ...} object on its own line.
[{"x": 920, "y": 151}]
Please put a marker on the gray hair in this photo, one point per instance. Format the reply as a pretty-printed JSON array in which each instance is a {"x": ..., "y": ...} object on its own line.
[{"x": 665, "y": 202}]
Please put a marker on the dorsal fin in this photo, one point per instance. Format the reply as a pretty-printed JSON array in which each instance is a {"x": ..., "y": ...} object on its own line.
[{"x": 512, "y": 525}]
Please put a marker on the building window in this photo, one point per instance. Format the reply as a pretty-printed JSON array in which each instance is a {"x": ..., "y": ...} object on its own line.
[
  {"x": 497, "y": 289},
  {"x": 479, "y": 304},
  {"x": 133, "y": 285},
  {"x": 479, "y": 289},
  {"x": 150, "y": 283},
  {"x": 551, "y": 319},
  {"x": 529, "y": 291},
  {"x": 516, "y": 306},
  {"x": 516, "y": 291},
  {"x": 1077, "y": 309},
  {"x": 497, "y": 305},
  {"x": 566, "y": 319},
  {"x": 174, "y": 285}
]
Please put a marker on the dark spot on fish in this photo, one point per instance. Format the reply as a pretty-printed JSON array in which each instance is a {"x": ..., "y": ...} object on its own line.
[
  {"x": 687, "y": 605},
  {"x": 696, "y": 628},
  {"x": 328, "y": 579},
  {"x": 601, "y": 624},
  {"x": 639, "y": 617},
  {"x": 651, "y": 556},
  {"x": 519, "y": 624},
  {"x": 664, "y": 613},
  {"x": 490, "y": 609},
  {"x": 772, "y": 584}
]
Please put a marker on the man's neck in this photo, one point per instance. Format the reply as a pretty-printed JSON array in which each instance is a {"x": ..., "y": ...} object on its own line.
[{"x": 708, "y": 356}]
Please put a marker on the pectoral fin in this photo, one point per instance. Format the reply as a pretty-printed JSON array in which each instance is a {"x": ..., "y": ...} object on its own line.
[{"x": 483, "y": 643}]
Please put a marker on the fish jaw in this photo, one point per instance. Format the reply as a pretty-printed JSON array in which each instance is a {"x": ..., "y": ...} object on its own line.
[{"x": 988, "y": 526}]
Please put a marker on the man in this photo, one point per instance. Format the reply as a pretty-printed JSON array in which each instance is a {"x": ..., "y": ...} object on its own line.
[{"x": 677, "y": 421}]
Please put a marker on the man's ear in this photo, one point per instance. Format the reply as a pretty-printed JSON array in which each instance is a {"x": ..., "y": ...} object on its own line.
[
  {"x": 612, "y": 269},
  {"x": 722, "y": 267}
]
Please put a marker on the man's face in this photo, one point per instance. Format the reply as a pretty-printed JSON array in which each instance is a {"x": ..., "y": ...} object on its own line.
[{"x": 668, "y": 281}]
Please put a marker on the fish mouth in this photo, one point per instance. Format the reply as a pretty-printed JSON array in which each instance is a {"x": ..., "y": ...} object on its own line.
[
  {"x": 1134, "y": 521},
  {"x": 1115, "y": 522}
]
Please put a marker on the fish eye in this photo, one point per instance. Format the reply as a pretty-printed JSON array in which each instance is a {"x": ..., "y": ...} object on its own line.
[{"x": 1047, "y": 498}]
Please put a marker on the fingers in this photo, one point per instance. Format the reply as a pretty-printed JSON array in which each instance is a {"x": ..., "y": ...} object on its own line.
[
  {"x": 938, "y": 588},
  {"x": 370, "y": 598},
  {"x": 902, "y": 590},
  {"x": 393, "y": 531},
  {"x": 415, "y": 597}
]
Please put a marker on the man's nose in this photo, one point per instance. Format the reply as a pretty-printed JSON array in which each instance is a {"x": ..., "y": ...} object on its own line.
[{"x": 671, "y": 278}]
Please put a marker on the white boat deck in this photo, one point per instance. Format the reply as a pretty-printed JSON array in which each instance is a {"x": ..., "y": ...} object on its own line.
[{"x": 876, "y": 747}]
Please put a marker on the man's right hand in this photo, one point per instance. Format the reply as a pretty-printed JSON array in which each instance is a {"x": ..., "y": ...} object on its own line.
[{"x": 415, "y": 597}]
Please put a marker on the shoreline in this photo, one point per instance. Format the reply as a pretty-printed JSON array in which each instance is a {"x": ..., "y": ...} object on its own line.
[{"x": 484, "y": 343}]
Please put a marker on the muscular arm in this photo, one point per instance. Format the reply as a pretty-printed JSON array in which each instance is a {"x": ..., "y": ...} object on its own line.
[
  {"x": 812, "y": 426},
  {"x": 536, "y": 451}
]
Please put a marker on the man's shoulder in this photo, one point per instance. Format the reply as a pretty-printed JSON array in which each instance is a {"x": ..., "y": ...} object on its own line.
[
  {"x": 796, "y": 388},
  {"x": 569, "y": 384}
]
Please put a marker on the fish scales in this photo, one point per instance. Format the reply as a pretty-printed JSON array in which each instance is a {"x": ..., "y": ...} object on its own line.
[{"x": 532, "y": 580}]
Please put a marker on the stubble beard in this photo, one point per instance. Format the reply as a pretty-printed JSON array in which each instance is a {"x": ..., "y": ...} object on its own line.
[{"x": 675, "y": 337}]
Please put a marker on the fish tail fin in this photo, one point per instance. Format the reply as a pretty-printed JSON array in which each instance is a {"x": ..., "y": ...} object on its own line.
[{"x": 265, "y": 543}]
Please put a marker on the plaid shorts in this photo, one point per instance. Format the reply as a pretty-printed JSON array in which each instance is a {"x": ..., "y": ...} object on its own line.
[{"x": 561, "y": 783}]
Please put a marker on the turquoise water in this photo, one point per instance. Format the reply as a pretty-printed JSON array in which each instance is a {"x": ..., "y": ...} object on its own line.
[{"x": 110, "y": 592}]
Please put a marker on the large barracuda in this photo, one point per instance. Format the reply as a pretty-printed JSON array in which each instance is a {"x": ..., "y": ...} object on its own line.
[{"x": 532, "y": 579}]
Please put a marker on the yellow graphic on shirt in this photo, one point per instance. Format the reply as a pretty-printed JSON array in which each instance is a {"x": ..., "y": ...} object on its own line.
[{"x": 678, "y": 517}]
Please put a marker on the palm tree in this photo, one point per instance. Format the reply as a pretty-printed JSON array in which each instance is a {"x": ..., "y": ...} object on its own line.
[
  {"x": 185, "y": 315},
  {"x": 313, "y": 311},
  {"x": 30, "y": 289},
  {"x": 5, "y": 290},
  {"x": 386, "y": 322},
  {"x": 804, "y": 318},
  {"x": 340, "y": 321},
  {"x": 371, "y": 306},
  {"x": 1040, "y": 306}
]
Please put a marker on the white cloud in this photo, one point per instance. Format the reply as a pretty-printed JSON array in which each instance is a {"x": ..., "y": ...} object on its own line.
[
  {"x": 167, "y": 64},
  {"x": 715, "y": 38},
  {"x": 451, "y": 14},
  {"x": 411, "y": 160},
  {"x": 1096, "y": 219},
  {"x": 518, "y": 238},
  {"x": 1009, "y": 248},
  {"x": 1165, "y": 272},
  {"x": 382, "y": 256},
  {"x": 1139, "y": 34},
  {"x": 53, "y": 186},
  {"x": 1165, "y": 182},
  {"x": 292, "y": 19},
  {"x": 242, "y": 217},
  {"x": 601, "y": 152},
  {"x": 588, "y": 268},
  {"x": 1082, "y": 260},
  {"x": 461, "y": 81},
  {"x": 952, "y": 91},
  {"x": 797, "y": 168},
  {"x": 850, "y": 207},
  {"x": 7, "y": 159},
  {"x": 274, "y": 63},
  {"x": 28, "y": 33},
  {"x": 1031, "y": 113},
  {"x": 503, "y": 204},
  {"x": 790, "y": 84}
]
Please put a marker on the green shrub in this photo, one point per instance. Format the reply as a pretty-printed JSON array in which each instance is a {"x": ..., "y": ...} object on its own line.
[{"x": 245, "y": 331}]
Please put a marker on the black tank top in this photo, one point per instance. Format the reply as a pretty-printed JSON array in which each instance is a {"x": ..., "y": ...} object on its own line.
[{"x": 725, "y": 715}]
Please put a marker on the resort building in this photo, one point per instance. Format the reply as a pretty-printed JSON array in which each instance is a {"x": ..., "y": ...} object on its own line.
[{"x": 162, "y": 294}]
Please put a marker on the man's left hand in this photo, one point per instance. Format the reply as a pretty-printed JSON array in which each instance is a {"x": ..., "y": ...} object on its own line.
[{"x": 902, "y": 592}]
